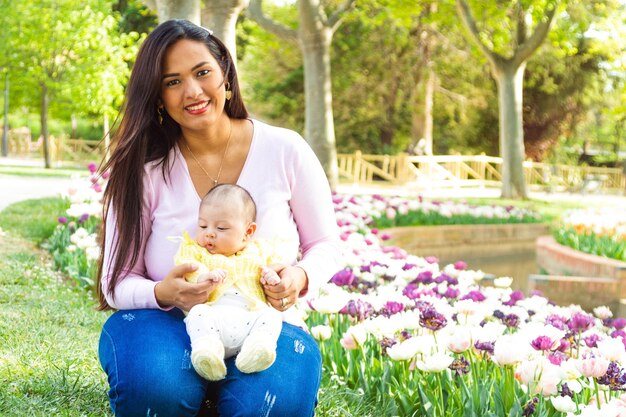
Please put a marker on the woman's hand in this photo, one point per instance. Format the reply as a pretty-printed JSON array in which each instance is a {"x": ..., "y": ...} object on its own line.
[
  {"x": 175, "y": 291},
  {"x": 283, "y": 295}
]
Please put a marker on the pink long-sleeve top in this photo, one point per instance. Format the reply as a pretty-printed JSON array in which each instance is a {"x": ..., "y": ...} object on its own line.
[{"x": 293, "y": 200}]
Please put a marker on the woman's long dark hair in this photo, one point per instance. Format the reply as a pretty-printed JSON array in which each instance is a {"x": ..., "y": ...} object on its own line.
[{"x": 141, "y": 138}]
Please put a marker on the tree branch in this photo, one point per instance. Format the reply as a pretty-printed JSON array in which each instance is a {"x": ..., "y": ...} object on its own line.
[
  {"x": 521, "y": 29},
  {"x": 255, "y": 12},
  {"x": 465, "y": 13},
  {"x": 526, "y": 49},
  {"x": 335, "y": 19}
]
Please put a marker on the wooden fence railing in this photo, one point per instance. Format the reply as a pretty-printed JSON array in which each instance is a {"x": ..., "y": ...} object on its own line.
[
  {"x": 476, "y": 170},
  {"x": 401, "y": 169},
  {"x": 61, "y": 148}
]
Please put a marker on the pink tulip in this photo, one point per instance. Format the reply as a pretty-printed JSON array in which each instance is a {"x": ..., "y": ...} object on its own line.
[{"x": 593, "y": 367}]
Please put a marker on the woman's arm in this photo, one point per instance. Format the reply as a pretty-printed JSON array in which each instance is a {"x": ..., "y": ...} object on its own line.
[
  {"x": 312, "y": 208},
  {"x": 133, "y": 290}
]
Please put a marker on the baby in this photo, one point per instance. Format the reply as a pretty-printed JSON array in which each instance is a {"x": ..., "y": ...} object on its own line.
[{"x": 236, "y": 320}]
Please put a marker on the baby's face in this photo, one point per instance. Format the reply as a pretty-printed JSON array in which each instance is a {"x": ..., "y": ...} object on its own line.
[{"x": 223, "y": 230}]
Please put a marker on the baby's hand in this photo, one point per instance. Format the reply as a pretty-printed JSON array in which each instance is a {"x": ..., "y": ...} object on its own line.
[
  {"x": 269, "y": 276},
  {"x": 216, "y": 275}
]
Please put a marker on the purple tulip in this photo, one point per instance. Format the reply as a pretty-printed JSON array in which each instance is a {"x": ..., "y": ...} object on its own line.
[
  {"x": 432, "y": 319},
  {"x": 556, "y": 321},
  {"x": 557, "y": 358},
  {"x": 592, "y": 340},
  {"x": 565, "y": 391},
  {"x": 460, "y": 366},
  {"x": 451, "y": 293},
  {"x": 343, "y": 277},
  {"x": 580, "y": 322},
  {"x": 530, "y": 406},
  {"x": 408, "y": 266},
  {"x": 82, "y": 219},
  {"x": 514, "y": 298},
  {"x": 411, "y": 291},
  {"x": 543, "y": 343},
  {"x": 358, "y": 309},
  {"x": 615, "y": 377},
  {"x": 618, "y": 333},
  {"x": 424, "y": 277},
  {"x": 62, "y": 220},
  {"x": 619, "y": 323},
  {"x": 564, "y": 345},
  {"x": 391, "y": 307},
  {"x": 511, "y": 321},
  {"x": 484, "y": 346},
  {"x": 386, "y": 343},
  {"x": 474, "y": 296}
]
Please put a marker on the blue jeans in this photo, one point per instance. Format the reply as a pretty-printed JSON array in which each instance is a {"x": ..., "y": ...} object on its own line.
[{"x": 146, "y": 355}]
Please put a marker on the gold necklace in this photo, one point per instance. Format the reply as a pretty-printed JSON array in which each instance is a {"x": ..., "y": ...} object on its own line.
[{"x": 219, "y": 171}]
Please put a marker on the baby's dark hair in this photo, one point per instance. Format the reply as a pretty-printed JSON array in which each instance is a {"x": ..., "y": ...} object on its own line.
[{"x": 231, "y": 194}]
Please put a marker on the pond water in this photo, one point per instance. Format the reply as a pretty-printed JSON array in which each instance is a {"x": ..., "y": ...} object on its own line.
[{"x": 518, "y": 265}]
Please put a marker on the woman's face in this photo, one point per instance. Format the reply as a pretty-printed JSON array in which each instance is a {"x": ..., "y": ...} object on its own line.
[{"x": 192, "y": 85}]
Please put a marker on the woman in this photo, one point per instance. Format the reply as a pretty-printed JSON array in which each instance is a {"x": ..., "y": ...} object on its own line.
[{"x": 185, "y": 129}]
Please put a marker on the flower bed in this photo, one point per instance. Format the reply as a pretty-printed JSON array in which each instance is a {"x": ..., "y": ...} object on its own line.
[
  {"x": 395, "y": 211},
  {"x": 595, "y": 231},
  {"x": 74, "y": 245},
  {"x": 420, "y": 338}
]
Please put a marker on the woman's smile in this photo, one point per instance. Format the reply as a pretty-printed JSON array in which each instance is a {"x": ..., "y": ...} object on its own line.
[{"x": 198, "y": 108}]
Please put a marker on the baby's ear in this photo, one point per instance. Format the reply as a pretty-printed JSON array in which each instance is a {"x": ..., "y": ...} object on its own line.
[{"x": 250, "y": 230}]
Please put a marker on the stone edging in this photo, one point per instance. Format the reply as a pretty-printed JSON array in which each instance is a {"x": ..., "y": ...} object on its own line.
[
  {"x": 475, "y": 240},
  {"x": 558, "y": 259}
]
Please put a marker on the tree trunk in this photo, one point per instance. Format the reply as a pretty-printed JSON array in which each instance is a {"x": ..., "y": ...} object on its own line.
[
  {"x": 178, "y": 9},
  {"x": 44, "y": 125},
  {"x": 5, "y": 127},
  {"x": 429, "y": 98},
  {"x": 221, "y": 17},
  {"x": 74, "y": 134},
  {"x": 510, "y": 84},
  {"x": 319, "y": 129}
]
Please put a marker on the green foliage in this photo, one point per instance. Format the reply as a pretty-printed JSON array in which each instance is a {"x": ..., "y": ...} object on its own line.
[
  {"x": 32, "y": 219},
  {"x": 73, "y": 50},
  {"x": 272, "y": 72},
  {"x": 70, "y": 254},
  {"x": 397, "y": 389},
  {"x": 613, "y": 247},
  {"x": 420, "y": 218},
  {"x": 48, "y": 339}
]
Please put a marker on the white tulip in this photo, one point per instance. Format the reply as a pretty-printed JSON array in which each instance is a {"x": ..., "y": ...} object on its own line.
[{"x": 563, "y": 404}]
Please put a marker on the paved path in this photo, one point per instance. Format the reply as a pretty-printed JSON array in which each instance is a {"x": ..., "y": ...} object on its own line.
[{"x": 15, "y": 188}]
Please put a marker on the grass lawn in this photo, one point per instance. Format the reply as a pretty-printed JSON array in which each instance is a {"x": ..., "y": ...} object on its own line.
[
  {"x": 49, "y": 331},
  {"x": 30, "y": 171},
  {"x": 49, "y": 328}
]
